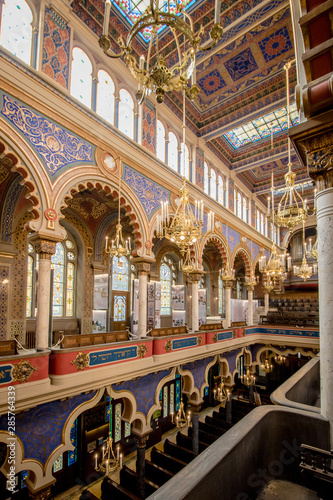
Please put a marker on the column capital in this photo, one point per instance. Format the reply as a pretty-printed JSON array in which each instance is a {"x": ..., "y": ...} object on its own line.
[
  {"x": 228, "y": 284},
  {"x": 44, "y": 245},
  {"x": 141, "y": 440},
  {"x": 250, "y": 288},
  {"x": 195, "y": 277},
  {"x": 142, "y": 265},
  {"x": 313, "y": 140}
]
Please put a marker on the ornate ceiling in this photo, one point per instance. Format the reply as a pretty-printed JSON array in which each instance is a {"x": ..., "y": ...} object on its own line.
[{"x": 240, "y": 80}]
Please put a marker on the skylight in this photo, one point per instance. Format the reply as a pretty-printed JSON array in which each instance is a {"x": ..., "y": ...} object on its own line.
[
  {"x": 133, "y": 10},
  {"x": 262, "y": 127}
]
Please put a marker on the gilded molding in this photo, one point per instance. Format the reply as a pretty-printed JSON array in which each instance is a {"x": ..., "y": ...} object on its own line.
[
  {"x": 22, "y": 371},
  {"x": 199, "y": 340},
  {"x": 81, "y": 361},
  {"x": 215, "y": 337},
  {"x": 168, "y": 345},
  {"x": 142, "y": 349}
]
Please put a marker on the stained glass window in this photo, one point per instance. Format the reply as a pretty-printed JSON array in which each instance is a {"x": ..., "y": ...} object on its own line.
[
  {"x": 206, "y": 391},
  {"x": 105, "y": 96},
  {"x": 173, "y": 152},
  {"x": 70, "y": 290},
  {"x": 127, "y": 431},
  {"x": 172, "y": 398},
  {"x": 220, "y": 191},
  {"x": 29, "y": 286},
  {"x": 185, "y": 161},
  {"x": 119, "y": 309},
  {"x": 81, "y": 80},
  {"x": 117, "y": 423},
  {"x": 16, "y": 29},
  {"x": 69, "y": 244},
  {"x": 126, "y": 113},
  {"x": 120, "y": 273},
  {"x": 206, "y": 178},
  {"x": 24, "y": 475},
  {"x": 58, "y": 464},
  {"x": 165, "y": 277},
  {"x": 239, "y": 205},
  {"x": 72, "y": 455},
  {"x": 132, "y": 10},
  {"x": 165, "y": 401},
  {"x": 58, "y": 265},
  {"x": 244, "y": 211},
  {"x": 70, "y": 256},
  {"x": 160, "y": 141},
  {"x": 177, "y": 392},
  {"x": 213, "y": 184},
  {"x": 262, "y": 127}
]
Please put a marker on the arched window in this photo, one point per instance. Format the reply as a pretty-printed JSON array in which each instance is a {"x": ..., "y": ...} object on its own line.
[
  {"x": 173, "y": 152},
  {"x": 257, "y": 220},
  {"x": 262, "y": 224},
  {"x": 213, "y": 183},
  {"x": 206, "y": 178},
  {"x": 185, "y": 161},
  {"x": 239, "y": 205},
  {"x": 126, "y": 113},
  {"x": 167, "y": 278},
  {"x": 105, "y": 96},
  {"x": 16, "y": 29},
  {"x": 160, "y": 141},
  {"x": 81, "y": 80},
  {"x": 244, "y": 210},
  {"x": 220, "y": 190},
  {"x": 120, "y": 279},
  {"x": 63, "y": 265}
]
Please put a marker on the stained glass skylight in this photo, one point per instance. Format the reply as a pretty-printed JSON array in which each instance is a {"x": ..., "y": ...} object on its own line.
[
  {"x": 262, "y": 127},
  {"x": 133, "y": 10}
]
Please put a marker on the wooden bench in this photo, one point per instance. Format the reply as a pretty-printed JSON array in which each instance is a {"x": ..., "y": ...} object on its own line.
[
  {"x": 186, "y": 442},
  {"x": 129, "y": 480},
  {"x": 8, "y": 347},
  {"x": 110, "y": 489},
  {"x": 166, "y": 461},
  {"x": 172, "y": 330},
  {"x": 204, "y": 437},
  {"x": 178, "y": 452},
  {"x": 156, "y": 473},
  {"x": 94, "y": 339},
  {"x": 211, "y": 326}
]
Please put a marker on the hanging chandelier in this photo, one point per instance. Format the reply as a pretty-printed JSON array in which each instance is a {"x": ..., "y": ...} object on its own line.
[
  {"x": 267, "y": 367},
  {"x": 119, "y": 247},
  {"x": 292, "y": 209},
  {"x": 251, "y": 281},
  {"x": 279, "y": 359},
  {"x": 182, "y": 420},
  {"x": 109, "y": 463},
  {"x": 248, "y": 378},
  {"x": 268, "y": 284},
  {"x": 304, "y": 271},
  {"x": 185, "y": 228},
  {"x": 152, "y": 73},
  {"x": 275, "y": 268},
  {"x": 312, "y": 250},
  {"x": 188, "y": 266},
  {"x": 221, "y": 394},
  {"x": 227, "y": 275}
]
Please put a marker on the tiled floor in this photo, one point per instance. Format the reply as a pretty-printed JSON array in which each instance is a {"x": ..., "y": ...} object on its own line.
[{"x": 95, "y": 488}]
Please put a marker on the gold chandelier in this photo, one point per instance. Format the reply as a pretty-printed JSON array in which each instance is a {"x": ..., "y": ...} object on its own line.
[
  {"x": 267, "y": 367},
  {"x": 304, "y": 271},
  {"x": 185, "y": 228},
  {"x": 188, "y": 266},
  {"x": 152, "y": 73},
  {"x": 119, "y": 247},
  {"x": 251, "y": 281},
  {"x": 292, "y": 209},
  {"x": 222, "y": 394},
  {"x": 280, "y": 359},
  {"x": 248, "y": 378},
  {"x": 275, "y": 268},
  {"x": 227, "y": 275},
  {"x": 182, "y": 420},
  {"x": 109, "y": 463}
]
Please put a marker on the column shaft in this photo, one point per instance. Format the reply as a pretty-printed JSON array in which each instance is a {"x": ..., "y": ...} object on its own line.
[
  {"x": 195, "y": 306},
  {"x": 227, "y": 306},
  {"x": 325, "y": 288},
  {"x": 195, "y": 435},
  {"x": 266, "y": 298},
  {"x": 142, "y": 326},
  {"x": 43, "y": 302},
  {"x": 250, "y": 307}
]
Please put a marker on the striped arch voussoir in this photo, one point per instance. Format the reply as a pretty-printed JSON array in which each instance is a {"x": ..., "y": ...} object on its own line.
[
  {"x": 247, "y": 261},
  {"x": 220, "y": 246}
]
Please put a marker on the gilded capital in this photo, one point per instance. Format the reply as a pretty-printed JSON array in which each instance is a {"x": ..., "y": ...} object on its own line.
[{"x": 45, "y": 246}]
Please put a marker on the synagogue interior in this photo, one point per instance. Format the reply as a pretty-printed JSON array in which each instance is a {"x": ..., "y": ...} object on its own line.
[{"x": 166, "y": 232}]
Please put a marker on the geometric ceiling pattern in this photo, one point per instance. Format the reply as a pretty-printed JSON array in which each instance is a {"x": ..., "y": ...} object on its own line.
[{"x": 242, "y": 81}]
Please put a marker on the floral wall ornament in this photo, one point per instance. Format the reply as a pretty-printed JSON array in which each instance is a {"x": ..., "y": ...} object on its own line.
[
  {"x": 168, "y": 345},
  {"x": 199, "y": 340},
  {"x": 142, "y": 349},
  {"x": 81, "y": 361},
  {"x": 22, "y": 371},
  {"x": 215, "y": 337}
]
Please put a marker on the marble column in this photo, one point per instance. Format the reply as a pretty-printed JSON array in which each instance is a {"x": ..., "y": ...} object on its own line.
[
  {"x": 195, "y": 278},
  {"x": 143, "y": 269},
  {"x": 228, "y": 411},
  {"x": 313, "y": 140},
  {"x": 227, "y": 287},
  {"x": 325, "y": 286},
  {"x": 266, "y": 299},
  {"x": 250, "y": 304},
  {"x": 45, "y": 249},
  {"x": 195, "y": 427},
  {"x": 140, "y": 463}
]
